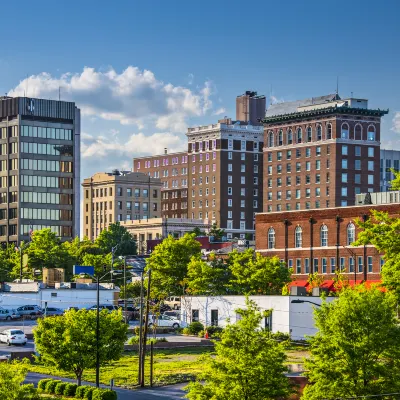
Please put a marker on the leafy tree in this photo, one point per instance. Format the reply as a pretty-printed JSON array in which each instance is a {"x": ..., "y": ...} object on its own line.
[
  {"x": 314, "y": 280},
  {"x": 248, "y": 364},
  {"x": 216, "y": 232},
  {"x": 132, "y": 290},
  {"x": 116, "y": 235},
  {"x": 98, "y": 261},
  {"x": 45, "y": 250},
  {"x": 12, "y": 377},
  {"x": 356, "y": 351},
  {"x": 197, "y": 231},
  {"x": 382, "y": 231},
  {"x": 69, "y": 341},
  {"x": 395, "y": 183},
  {"x": 169, "y": 264},
  {"x": 78, "y": 249},
  {"x": 253, "y": 273},
  {"x": 9, "y": 258},
  {"x": 208, "y": 278}
]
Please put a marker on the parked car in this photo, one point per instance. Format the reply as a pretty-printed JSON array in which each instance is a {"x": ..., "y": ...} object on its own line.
[
  {"x": 30, "y": 310},
  {"x": 165, "y": 321},
  {"x": 173, "y": 302},
  {"x": 13, "y": 336},
  {"x": 109, "y": 307},
  {"x": 8, "y": 315},
  {"x": 72, "y": 308},
  {"x": 49, "y": 311},
  {"x": 173, "y": 314}
]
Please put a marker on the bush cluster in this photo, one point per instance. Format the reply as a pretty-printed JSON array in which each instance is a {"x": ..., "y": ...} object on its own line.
[
  {"x": 213, "y": 332},
  {"x": 193, "y": 329},
  {"x": 55, "y": 386}
]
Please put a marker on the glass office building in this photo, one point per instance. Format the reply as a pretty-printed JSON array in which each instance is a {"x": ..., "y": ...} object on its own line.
[{"x": 39, "y": 168}]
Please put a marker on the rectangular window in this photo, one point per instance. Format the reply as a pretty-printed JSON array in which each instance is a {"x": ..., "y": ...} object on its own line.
[
  {"x": 370, "y": 165},
  {"x": 357, "y": 164},
  {"x": 344, "y": 150},
  {"x": 357, "y": 178},
  {"x": 342, "y": 264},
  {"x": 360, "y": 264},
  {"x": 333, "y": 265},
  {"x": 344, "y": 163},
  {"x": 308, "y": 166},
  {"x": 315, "y": 264},
  {"x": 306, "y": 265},
  {"x": 298, "y": 266},
  {"x": 344, "y": 192},
  {"x": 370, "y": 179},
  {"x": 369, "y": 258},
  {"x": 344, "y": 177},
  {"x": 324, "y": 265},
  {"x": 357, "y": 151},
  {"x": 371, "y": 152}
]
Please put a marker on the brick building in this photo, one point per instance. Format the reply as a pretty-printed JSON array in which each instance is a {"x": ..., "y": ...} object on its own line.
[
  {"x": 250, "y": 107},
  {"x": 320, "y": 240},
  {"x": 320, "y": 153},
  {"x": 172, "y": 170},
  {"x": 118, "y": 196}
]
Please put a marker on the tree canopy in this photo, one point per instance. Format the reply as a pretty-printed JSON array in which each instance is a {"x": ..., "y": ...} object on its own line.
[
  {"x": 69, "y": 341},
  {"x": 248, "y": 364},
  {"x": 216, "y": 233},
  {"x": 116, "y": 236},
  {"x": 356, "y": 351}
]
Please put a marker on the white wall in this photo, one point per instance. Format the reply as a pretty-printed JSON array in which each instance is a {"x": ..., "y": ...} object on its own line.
[
  {"x": 287, "y": 317},
  {"x": 64, "y": 298}
]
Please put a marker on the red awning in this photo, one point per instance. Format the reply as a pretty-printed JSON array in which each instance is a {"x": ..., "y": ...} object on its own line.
[
  {"x": 298, "y": 283},
  {"x": 328, "y": 285}
]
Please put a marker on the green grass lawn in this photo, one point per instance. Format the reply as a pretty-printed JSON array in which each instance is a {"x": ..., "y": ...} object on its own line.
[{"x": 170, "y": 366}]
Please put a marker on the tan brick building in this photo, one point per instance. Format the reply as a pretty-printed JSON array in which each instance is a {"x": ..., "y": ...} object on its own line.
[
  {"x": 320, "y": 240},
  {"x": 118, "y": 196},
  {"x": 320, "y": 153}
]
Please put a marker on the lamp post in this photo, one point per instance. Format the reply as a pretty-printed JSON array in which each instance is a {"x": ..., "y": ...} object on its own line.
[
  {"x": 298, "y": 301},
  {"x": 113, "y": 250}
]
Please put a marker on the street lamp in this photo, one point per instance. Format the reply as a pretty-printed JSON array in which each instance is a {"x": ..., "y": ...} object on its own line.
[
  {"x": 98, "y": 278},
  {"x": 113, "y": 250},
  {"x": 298, "y": 301}
]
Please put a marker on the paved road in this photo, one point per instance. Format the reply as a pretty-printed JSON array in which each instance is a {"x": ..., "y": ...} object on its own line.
[
  {"x": 172, "y": 392},
  {"x": 25, "y": 326},
  {"x": 5, "y": 350}
]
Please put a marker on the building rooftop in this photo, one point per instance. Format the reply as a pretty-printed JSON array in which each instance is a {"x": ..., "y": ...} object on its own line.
[{"x": 120, "y": 176}]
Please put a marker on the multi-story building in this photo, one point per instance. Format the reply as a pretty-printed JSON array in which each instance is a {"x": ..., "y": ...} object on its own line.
[
  {"x": 118, "y": 196},
  {"x": 320, "y": 153},
  {"x": 250, "y": 107},
  {"x": 225, "y": 175},
  {"x": 39, "y": 168},
  {"x": 320, "y": 240},
  {"x": 172, "y": 170},
  {"x": 390, "y": 160}
]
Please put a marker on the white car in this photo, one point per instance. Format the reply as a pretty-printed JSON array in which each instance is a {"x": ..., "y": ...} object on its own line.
[
  {"x": 174, "y": 302},
  {"x": 13, "y": 336},
  {"x": 165, "y": 321}
]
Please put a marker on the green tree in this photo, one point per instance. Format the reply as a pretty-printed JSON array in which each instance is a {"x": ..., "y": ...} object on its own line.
[
  {"x": 197, "y": 231},
  {"x": 216, "y": 232},
  {"x": 12, "y": 377},
  {"x": 253, "y": 273},
  {"x": 248, "y": 364},
  {"x": 116, "y": 235},
  {"x": 395, "y": 183},
  {"x": 169, "y": 264},
  {"x": 78, "y": 249},
  {"x": 100, "y": 262},
  {"x": 356, "y": 351},
  {"x": 208, "y": 277},
  {"x": 45, "y": 250},
  {"x": 382, "y": 231},
  {"x": 69, "y": 341},
  {"x": 132, "y": 290},
  {"x": 9, "y": 258}
]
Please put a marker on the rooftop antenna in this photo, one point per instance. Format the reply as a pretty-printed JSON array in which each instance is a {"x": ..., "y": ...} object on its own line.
[
  {"x": 337, "y": 85},
  {"x": 351, "y": 95}
]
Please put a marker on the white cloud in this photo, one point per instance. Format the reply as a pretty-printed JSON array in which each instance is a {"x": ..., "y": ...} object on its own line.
[
  {"x": 396, "y": 122},
  {"x": 133, "y": 96},
  {"x": 190, "y": 79},
  {"x": 219, "y": 111},
  {"x": 275, "y": 100}
]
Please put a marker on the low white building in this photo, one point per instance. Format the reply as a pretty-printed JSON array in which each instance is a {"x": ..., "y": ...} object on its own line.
[
  {"x": 63, "y": 295},
  {"x": 290, "y": 314}
]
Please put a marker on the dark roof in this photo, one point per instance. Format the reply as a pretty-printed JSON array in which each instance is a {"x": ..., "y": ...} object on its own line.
[{"x": 290, "y": 107}]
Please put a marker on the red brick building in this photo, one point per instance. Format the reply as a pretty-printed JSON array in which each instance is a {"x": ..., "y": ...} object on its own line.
[
  {"x": 320, "y": 241},
  {"x": 320, "y": 153}
]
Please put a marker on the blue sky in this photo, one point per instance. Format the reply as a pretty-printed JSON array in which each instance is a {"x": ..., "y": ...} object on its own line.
[{"x": 148, "y": 69}]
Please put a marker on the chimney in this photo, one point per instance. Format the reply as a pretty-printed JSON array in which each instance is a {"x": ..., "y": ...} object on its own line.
[{"x": 165, "y": 150}]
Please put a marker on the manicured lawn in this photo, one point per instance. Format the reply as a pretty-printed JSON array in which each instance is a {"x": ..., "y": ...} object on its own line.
[{"x": 170, "y": 366}]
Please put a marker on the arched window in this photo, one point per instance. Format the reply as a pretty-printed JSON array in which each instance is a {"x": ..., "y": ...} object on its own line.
[
  {"x": 351, "y": 233},
  {"x": 309, "y": 134},
  {"x": 280, "y": 138},
  {"x": 319, "y": 132},
  {"x": 299, "y": 136},
  {"x": 271, "y": 139},
  {"x": 290, "y": 137},
  {"x": 358, "y": 132},
  {"x": 371, "y": 133},
  {"x": 328, "y": 132},
  {"x": 345, "y": 131},
  {"x": 298, "y": 237},
  {"x": 324, "y": 236},
  {"x": 271, "y": 238}
]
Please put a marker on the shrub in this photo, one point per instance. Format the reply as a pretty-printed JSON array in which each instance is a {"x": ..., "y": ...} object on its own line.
[
  {"x": 80, "y": 392},
  {"x": 88, "y": 392},
  {"x": 59, "y": 388},
  {"x": 214, "y": 331},
  {"x": 201, "y": 334},
  {"x": 42, "y": 384},
  {"x": 70, "y": 389},
  {"x": 51, "y": 386},
  {"x": 104, "y": 394},
  {"x": 280, "y": 336},
  {"x": 194, "y": 328}
]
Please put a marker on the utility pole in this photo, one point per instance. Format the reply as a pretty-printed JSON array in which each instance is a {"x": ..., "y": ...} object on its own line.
[{"x": 146, "y": 323}]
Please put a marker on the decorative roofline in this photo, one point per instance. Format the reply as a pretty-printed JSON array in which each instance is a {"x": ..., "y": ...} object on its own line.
[{"x": 324, "y": 111}]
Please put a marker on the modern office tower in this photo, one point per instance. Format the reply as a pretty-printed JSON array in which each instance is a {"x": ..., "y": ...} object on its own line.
[
  {"x": 172, "y": 170},
  {"x": 250, "y": 107},
  {"x": 225, "y": 175},
  {"x": 118, "y": 196},
  {"x": 390, "y": 160},
  {"x": 320, "y": 152},
  {"x": 39, "y": 168}
]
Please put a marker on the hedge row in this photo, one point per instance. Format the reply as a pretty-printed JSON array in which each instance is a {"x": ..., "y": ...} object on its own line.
[{"x": 55, "y": 386}]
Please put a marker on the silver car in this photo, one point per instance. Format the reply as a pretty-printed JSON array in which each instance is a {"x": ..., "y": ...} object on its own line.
[
  {"x": 13, "y": 336},
  {"x": 8, "y": 315},
  {"x": 50, "y": 311}
]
